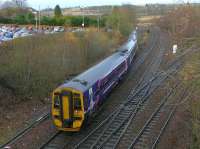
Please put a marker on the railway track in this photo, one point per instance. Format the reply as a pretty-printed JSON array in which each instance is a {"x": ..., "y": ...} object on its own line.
[
  {"x": 56, "y": 140},
  {"x": 108, "y": 133},
  {"x": 60, "y": 139},
  {"x": 141, "y": 94},
  {"x": 140, "y": 141},
  {"x": 143, "y": 137},
  {"x": 26, "y": 130},
  {"x": 139, "y": 60},
  {"x": 150, "y": 133}
]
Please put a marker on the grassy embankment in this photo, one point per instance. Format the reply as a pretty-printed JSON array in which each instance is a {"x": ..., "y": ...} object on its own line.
[
  {"x": 183, "y": 25},
  {"x": 30, "y": 68},
  {"x": 190, "y": 75}
]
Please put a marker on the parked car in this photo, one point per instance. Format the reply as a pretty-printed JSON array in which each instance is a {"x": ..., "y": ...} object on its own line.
[{"x": 11, "y": 32}]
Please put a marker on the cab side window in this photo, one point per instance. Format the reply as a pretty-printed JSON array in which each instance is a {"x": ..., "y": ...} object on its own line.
[{"x": 77, "y": 104}]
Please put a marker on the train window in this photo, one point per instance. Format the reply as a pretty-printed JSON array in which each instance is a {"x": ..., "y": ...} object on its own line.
[
  {"x": 77, "y": 104},
  {"x": 76, "y": 95},
  {"x": 56, "y": 101}
]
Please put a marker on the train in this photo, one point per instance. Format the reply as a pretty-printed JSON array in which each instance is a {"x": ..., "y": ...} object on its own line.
[{"x": 77, "y": 100}]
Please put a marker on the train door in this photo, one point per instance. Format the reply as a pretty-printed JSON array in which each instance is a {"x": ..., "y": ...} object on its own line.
[{"x": 66, "y": 109}]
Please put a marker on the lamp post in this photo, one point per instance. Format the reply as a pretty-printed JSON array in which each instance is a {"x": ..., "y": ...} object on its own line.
[
  {"x": 98, "y": 20},
  {"x": 39, "y": 18},
  {"x": 36, "y": 19},
  {"x": 83, "y": 17}
]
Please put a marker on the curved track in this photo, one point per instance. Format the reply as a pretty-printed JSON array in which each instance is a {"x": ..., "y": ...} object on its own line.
[
  {"x": 108, "y": 135},
  {"x": 109, "y": 130},
  {"x": 150, "y": 133},
  {"x": 136, "y": 64}
]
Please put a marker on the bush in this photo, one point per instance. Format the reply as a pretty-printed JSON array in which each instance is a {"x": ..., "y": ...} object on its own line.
[
  {"x": 182, "y": 22},
  {"x": 34, "y": 66},
  {"x": 20, "y": 19},
  {"x": 76, "y": 21},
  {"x": 6, "y": 20},
  {"x": 122, "y": 19}
]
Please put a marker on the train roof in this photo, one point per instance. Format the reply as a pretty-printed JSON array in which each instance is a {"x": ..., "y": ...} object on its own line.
[{"x": 86, "y": 79}]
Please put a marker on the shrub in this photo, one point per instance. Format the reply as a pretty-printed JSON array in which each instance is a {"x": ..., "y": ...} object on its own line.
[
  {"x": 122, "y": 19},
  {"x": 182, "y": 22},
  {"x": 34, "y": 66}
]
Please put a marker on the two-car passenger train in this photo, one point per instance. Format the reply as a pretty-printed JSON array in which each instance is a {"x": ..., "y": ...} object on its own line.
[{"x": 73, "y": 102}]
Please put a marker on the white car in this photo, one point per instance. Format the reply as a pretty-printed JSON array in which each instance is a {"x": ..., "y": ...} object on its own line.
[
  {"x": 25, "y": 34},
  {"x": 58, "y": 29}
]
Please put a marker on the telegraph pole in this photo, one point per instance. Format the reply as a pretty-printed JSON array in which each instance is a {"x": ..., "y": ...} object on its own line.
[
  {"x": 36, "y": 19},
  {"x": 98, "y": 20},
  {"x": 83, "y": 21},
  {"x": 39, "y": 18}
]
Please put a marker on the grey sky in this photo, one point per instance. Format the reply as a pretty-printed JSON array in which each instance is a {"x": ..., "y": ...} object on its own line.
[{"x": 71, "y": 3}]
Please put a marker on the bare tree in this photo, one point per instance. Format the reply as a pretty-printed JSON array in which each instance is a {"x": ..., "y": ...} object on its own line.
[
  {"x": 7, "y": 4},
  {"x": 20, "y": 3},
  {"x": 13, "y": 3}
]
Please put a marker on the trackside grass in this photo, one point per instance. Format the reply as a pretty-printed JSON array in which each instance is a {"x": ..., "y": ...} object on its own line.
[{"x": 191, "y": 78}]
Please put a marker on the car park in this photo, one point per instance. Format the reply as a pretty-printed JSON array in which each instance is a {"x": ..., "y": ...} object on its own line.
[{"x": 10, "y": 32}]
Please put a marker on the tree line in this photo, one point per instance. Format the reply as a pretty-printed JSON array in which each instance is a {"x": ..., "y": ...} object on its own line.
[
  {"x": 22, "y": 16},
  {"x": 121, "y": 18}
]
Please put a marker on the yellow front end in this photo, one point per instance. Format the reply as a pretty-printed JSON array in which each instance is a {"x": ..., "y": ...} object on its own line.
[{"x": 67, "y": 109}]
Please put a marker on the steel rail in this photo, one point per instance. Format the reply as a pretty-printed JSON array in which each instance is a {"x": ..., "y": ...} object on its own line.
[
  {"x": 26, "y": 130},
  {"x": 136, "y": 139},
  {"x": 146, "y": 96},
  {"x": 49, "y": 140},
  {"x": 168, "y": 120}
]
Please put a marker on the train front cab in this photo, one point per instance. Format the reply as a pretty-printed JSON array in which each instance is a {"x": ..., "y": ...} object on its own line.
[{"x": 67, "y": 109}]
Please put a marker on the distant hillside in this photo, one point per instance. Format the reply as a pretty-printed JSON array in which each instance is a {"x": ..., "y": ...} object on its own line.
[
  {"x": 148, "y": 9},
  {"x": 77, "y": 11}
]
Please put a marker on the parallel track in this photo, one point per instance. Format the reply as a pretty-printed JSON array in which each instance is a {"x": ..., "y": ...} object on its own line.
[
  {"x": 107, "y": 134},
  {"x": 140, "y": 141},
  {"x": 137, "y": 63},
  {"x": 26, "y": 130},
  {"x": 151, "y": 132}
]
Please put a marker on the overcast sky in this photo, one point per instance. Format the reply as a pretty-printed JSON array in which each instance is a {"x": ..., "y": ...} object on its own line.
[{"x": 71, "y": 3}]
